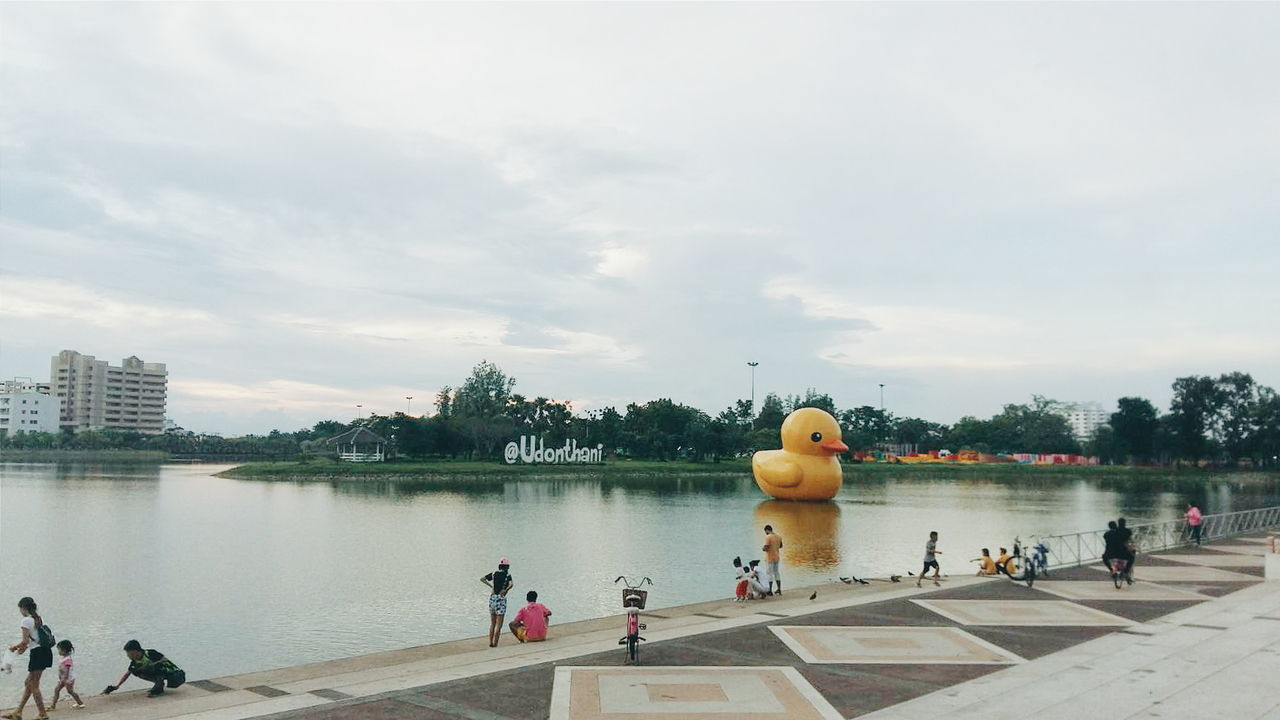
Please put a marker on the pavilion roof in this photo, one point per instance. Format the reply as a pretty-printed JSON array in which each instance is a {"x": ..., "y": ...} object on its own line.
[{"x": 356, "y": 436}]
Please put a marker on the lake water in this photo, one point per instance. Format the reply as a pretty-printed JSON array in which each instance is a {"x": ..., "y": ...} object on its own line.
[{"x": 229, "y": 576}]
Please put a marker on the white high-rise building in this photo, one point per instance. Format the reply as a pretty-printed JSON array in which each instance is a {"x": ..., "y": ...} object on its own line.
[
  {"x": 95, "y": 395},
  {"x": 24, "y": 411},
  {"x": 1085, "y": 418}
]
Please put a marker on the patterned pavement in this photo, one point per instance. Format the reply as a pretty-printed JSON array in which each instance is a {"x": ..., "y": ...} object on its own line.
[{"x": 838, "y": 663}]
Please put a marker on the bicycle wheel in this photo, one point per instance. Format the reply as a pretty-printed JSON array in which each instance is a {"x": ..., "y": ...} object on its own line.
[
  {"x": 1117, "y": 579},
  {"x": 1031, "y": 574},
  {"x": 633, "y": 649}
]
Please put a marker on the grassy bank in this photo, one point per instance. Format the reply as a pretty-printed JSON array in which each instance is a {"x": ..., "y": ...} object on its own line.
[
  {"x": 326, "y": 469},
  {"x": 329, "y": 469}
]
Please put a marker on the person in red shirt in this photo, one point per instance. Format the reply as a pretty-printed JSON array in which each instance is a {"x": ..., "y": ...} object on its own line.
[{"x": 530, "y": 624}]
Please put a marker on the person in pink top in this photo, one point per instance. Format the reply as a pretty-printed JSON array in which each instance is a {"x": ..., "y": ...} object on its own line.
[
  {"x": 530, "y": 624},
  {"x": 1195, "y": 521}
]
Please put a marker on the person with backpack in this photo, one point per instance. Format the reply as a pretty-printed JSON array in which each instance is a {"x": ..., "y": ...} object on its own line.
[
  {"x": 1195, "y": 522},
  {"x": 38, "y": 638},
  {"x": 149, "y": 665},
  {"x": 500, "y": 583}
]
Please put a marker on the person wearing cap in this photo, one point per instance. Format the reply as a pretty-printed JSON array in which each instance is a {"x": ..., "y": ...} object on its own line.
[{"x": 500, "y": 583}]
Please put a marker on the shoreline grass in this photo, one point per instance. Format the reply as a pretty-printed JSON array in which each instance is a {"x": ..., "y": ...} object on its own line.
[{"x": 328, "y": 470}]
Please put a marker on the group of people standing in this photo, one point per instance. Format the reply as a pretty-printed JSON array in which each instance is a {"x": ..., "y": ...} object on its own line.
[
  {"x": 755, "y": 581},
  {"x": 38, "y": 643}
]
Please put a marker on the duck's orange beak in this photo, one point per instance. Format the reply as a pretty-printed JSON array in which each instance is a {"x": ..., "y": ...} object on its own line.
[{"x": 834, "y": 446}]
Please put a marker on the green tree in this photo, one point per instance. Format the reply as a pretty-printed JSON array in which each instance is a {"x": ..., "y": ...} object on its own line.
[
  {"x": 1105, "y": 445},
  {"x": 1196, "y": 400},
  {"x": 485, "y": 393},
  {"x": 1235, "y": 426},
  {"x": 923, "y": 434},
  {"x": 812, "y": 398},
  {"x": 1135, "y": 424},
  {"x": 771, "y": 413},
  {"x": 863, "y": 427}
]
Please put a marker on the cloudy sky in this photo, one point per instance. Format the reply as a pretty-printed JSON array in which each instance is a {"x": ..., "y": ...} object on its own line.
[{"x": 303, "y": 207}]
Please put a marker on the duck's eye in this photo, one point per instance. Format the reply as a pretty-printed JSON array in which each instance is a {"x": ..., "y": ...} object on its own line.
[{"x": 816, "y": 437}]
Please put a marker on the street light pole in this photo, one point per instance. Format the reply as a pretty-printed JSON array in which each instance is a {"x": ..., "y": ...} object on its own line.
[
  {"x": 358, "y": 412},
  {"x": 408, "y": 408},
  {"x": 753, "y": 365},
  {"x": 881, "y": 397}
]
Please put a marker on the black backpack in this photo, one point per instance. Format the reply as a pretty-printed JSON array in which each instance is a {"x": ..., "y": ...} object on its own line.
[{"x": 44, "y": 636}]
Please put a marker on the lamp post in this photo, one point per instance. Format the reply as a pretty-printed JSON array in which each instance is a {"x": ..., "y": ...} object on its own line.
[
  {"x": 358, "y": 413},
  {"x": 408, "y": 408},
  {"x": 753, "y": 365},
  {"x": 881, "y": 397}
]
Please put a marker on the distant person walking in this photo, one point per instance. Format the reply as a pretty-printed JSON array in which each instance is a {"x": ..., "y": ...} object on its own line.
[
  {"x": 500, "y": 583},
  {"x": 150, "y": 665},
  {"x": 1195, "y": 522},
  {"x": 530, "y": 624},
  {"x": 773, "y": 556},
  {"x": 37, "y": 642},
  {"x": 931, "y": 552}
]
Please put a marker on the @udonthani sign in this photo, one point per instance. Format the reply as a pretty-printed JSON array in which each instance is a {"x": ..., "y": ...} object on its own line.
[{"x": 532, "y": 450}]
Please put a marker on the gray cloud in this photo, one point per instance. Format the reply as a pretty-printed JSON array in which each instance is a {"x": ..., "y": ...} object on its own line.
[{"x": 302, "y": 208}]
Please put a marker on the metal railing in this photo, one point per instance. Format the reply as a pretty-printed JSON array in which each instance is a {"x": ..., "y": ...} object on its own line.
[{"x": 1084, "y": 547}]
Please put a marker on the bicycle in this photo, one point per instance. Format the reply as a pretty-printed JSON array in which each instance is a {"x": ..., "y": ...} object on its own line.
[
  {"x": 633, "y": 600},
  {"x": 1025, "y": 568},
  {"x": 1120, "y": 572}
]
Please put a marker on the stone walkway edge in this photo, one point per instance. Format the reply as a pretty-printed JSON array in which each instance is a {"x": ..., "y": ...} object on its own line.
[{"x": 371, "y": 676}]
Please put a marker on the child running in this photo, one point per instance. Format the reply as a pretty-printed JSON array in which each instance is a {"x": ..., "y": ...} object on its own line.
[
  {"x": 930, "y": 560},
  {"x": 66, "y": 675}
]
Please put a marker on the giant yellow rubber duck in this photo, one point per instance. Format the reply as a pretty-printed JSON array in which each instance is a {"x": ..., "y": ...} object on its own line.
[{"x": 806, "y": 468}]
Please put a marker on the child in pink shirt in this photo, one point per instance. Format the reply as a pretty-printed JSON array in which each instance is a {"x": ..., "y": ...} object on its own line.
[
  {"x": 530, "y": 624},
  {"x": 66, "y": 675}
]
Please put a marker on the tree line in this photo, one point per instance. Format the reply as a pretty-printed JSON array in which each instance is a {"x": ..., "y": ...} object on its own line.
[{"x": 1224, "y": 419}]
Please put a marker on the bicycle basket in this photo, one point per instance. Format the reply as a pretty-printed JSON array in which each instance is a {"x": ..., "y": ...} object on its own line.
[{"x": 629, "y": 601}]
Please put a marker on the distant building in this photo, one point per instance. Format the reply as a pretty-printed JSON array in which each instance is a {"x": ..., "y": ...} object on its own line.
[
  {"x": 95, "y": 395},
  {"x": 22, "y": 384},
  {"x": 23, "y": 411},
  {"x": 1085, "y": 418}
]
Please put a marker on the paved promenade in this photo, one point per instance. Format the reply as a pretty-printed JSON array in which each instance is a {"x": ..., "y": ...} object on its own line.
[{"x": 1198, "y": 637}]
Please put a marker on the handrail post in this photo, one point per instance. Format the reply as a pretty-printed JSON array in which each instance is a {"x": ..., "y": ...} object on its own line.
[{"x": 1079, "y": 557}]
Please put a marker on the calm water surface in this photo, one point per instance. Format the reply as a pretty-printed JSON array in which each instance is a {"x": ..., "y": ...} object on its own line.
[{"x": 230, "y": 576}]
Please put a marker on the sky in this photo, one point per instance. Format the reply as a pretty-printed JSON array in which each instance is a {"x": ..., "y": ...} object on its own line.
[{"x": 301, "y": 208}]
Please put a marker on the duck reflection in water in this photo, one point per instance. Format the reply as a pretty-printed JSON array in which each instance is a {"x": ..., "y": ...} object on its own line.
[{"x": 810, "y": 531}]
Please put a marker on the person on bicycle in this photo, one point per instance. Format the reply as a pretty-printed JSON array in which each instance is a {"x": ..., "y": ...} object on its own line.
[
  {"x": 1129, "y": 547},
  {"x": 1113, "y": 547}
]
